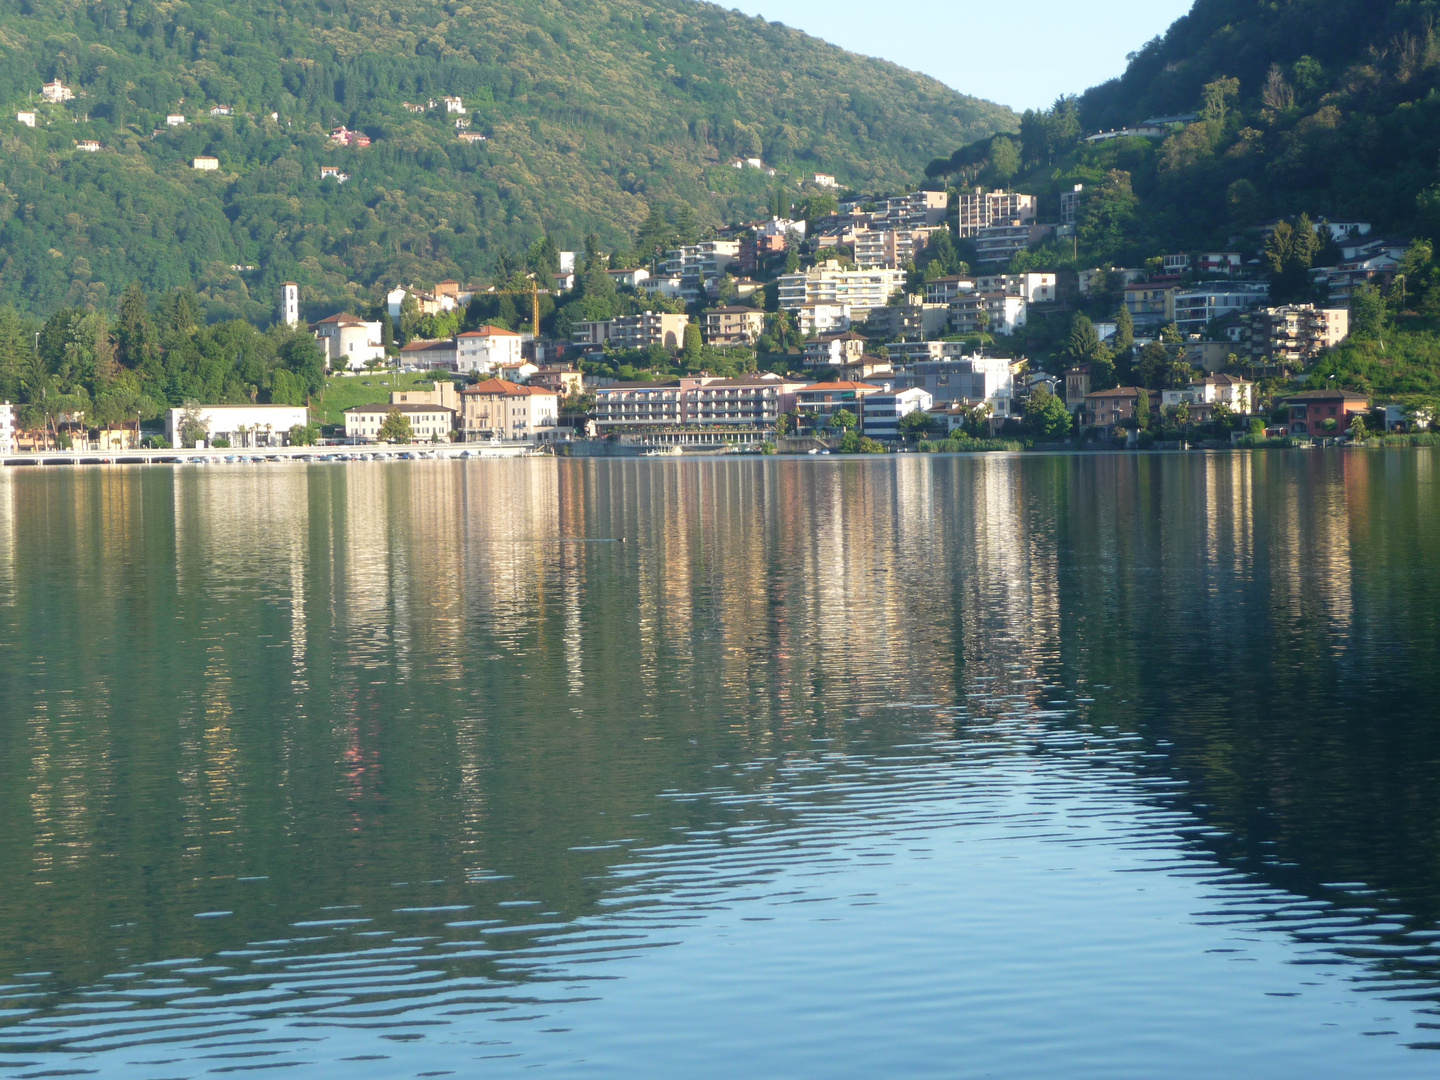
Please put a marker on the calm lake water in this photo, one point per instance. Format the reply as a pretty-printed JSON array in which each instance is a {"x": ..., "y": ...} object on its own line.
[{"x": 1117, "y": 766}]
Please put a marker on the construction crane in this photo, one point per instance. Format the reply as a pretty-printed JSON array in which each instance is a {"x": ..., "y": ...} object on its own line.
[{"x": 533, "y": 293}]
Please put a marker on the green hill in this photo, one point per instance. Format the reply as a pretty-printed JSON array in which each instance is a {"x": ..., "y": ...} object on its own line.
[
  {"x": 596, "y": 114},
  {"x": 1325, "y": 107}
]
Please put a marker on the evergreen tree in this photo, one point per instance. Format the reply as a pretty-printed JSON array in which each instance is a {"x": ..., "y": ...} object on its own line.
[{"x": 134, "y": 333}]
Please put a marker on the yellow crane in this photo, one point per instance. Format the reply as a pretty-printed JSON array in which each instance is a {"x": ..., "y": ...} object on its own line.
[{"x": 534, "y": 293}]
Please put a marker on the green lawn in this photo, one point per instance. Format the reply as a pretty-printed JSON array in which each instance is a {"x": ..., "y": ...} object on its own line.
[{"x": 347, "y": 391}]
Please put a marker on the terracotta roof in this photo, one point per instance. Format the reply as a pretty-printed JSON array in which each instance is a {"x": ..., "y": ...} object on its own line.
[
  {"x": 494, "y": 387},
  {"x": 342, "y": 318},
  {"x": 426, "y": 346},
  {"x": 490, "y": 331},
  {"x": 1118, "y": 392}
]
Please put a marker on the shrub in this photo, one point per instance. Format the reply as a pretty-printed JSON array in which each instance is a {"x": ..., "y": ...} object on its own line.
[{"x": 220, "y": 443}]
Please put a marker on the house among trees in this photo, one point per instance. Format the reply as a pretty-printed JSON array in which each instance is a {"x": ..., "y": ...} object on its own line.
[
  {"x": 205, "y": 164},
  {"x": 56, "y": 92},
  {"x": 26, "y": 118},
  {"x": 89, "y": 146},
  {"x": 343, "y": 136}
]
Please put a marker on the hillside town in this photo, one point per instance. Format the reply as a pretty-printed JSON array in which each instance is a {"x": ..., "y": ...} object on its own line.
[{"x": 856, "y": 322}]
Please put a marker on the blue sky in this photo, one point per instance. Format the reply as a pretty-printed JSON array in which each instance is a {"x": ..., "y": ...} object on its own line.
[{"x": 1020, "y": 54}]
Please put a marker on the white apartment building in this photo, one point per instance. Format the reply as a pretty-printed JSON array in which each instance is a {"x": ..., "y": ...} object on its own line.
[
  {"x": 981, "y": 209},
  {"x": 1002, "y": 241},
  {"x": 945, "y": 289},
  {"x": 634, "y": 331},
  {"x": 1002, "y": 314},
  {"x": 696, "y": 265},
  {"x": 883, "y": 411},
  {"x": 754, "y": 401},
  {"x": 822, "y": 317},
  {"x": 242, "y": 425},
  {"x": 858, "y": 290},
  {"x": 639, "y": 405},
  {"x": 891, "y": 249},
  {"x": 487, "y": 349},
  {"x": 1035, "y": 288},
  {"x": 917, "y": 210},
  {"x": 205, "y": 164},
  {"x": 1195, "y": 308},
  {"x": 428, "y": 423},
  {"x": 7, "y": 428},
  {"x": 349, "y": 341}
]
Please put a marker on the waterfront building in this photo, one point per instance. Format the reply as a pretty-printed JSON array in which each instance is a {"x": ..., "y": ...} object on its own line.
[
  {"x": 428, "y": 423},
  {"x": 7, "y": 428},
  {"x": 241, "y": 425},
  {"x": 817, "y": 403},
  {"x": 884, "y": 411},
  {"x": 1322, "y": 413},
  {"x": 498, "y": 409}
]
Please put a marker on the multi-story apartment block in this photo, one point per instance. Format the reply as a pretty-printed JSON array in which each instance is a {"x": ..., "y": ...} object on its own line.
[
  {"x": 1150, "y": 303},
  {"x": 695, "y": 401},
  {"x": 822, "y": 317},
  {"x": 884, "y": 411},
  {"x": 697, "y": 265},
  {"x": 903, "y": 353},
  {"x": 917, "y": 210},
  {"x": 497, "y": 409},
  {"x": 1292, "y": 336},
  {"x": 995, "y": 313},
  {"x": 971, "y": 379},
  {"x": 817, "y": 403},
  {"x": 1214, "y": 263},
  {"x": 734, "y": 325},
  {"x": 1070, "y": 206},
  {"x": 889, "y": 248},
  {"x": 981, "y": 209},
  {"x": 910, "y": 320},
  {"x": 487, "y": 349},
  {"x": 832, "y": 350},
  {"x": 634, "y": 331},
  {"x": 1196, "y": 308},
  {"x": 945, "y": 289},
  {"x": 858, "y": 290},
  {"x": 1003, "y": 240},
  {"x": 1035, "y": 288}
]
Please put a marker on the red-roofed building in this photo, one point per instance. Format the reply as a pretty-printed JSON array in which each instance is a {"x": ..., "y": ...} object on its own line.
[
  {"x": 496, "y": 409},
  {"x": 487, "y": 349}
]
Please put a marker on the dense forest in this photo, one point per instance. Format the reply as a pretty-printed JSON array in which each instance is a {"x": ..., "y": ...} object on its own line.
[{"x": 597, "y": 115}]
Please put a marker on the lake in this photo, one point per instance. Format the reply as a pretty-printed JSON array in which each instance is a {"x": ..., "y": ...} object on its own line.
[{"x": 1005, "y": 766}]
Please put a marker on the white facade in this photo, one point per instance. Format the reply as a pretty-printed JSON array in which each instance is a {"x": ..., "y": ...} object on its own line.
[
  {"x": 205, "y": 164},
  {"x": 290, "y": 303},
  {"x": 1195, "y": 308},
  {"x": 243, "y": 425},
  {"x": 56, "y": 92},
  {"x": 822, "y": 318},
  {"x": 696, "y": 265},
  {"x": 883, "y": 412},
  {"x": 349, "y": 342},
  {"x": 980, "y": 209},
  {"x": 7, "y": 428},
  {"x": 1035, "y": 288},
  {"x": 485, "y": 350},
  {"x": 174, "y": 120},
  {"x": 821, "y": 179},
  {"x": 26, "y": 118},
  {"x": 454, "y": 105},
  {"x": 972, "y": 380},
  {"x": 859, "y": 290},
  {"x": 1004, "y": 314},
  {"x": 428, "y": 423}
]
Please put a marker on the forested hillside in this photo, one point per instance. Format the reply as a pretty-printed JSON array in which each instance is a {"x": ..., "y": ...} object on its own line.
[
  {"x": 596, "y": 114},
  {"x": 1326, "y": 107}
]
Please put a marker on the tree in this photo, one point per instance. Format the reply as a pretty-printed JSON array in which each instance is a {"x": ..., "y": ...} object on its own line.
[
  {"x": 843, "y": 419},
  {"x": 1290, "y": 251},
  {"x": 304, "y": 435},
  {"x": 1217, "y": 98},
  {"x": 1142, "y": 410},
  {"x": 1084, "y": 344},
  {"x": 193, "y": 428},
  {"x": 1358, "y": 429},
  {"x": 1004, "y": 160},
  {"x": 691, "y": 349},
  {"x": 917, "y": 424},
  {"x": 135, "y": 336},
  {"x": 1124, "y": 339},
  {"x": 1046, "y": 415},
  {"x": 1367, "y": 312},
  {"x": 396, "y": 428}
]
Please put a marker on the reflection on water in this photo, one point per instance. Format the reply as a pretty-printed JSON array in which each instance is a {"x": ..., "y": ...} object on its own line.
[{"x": 823, "y": 768}]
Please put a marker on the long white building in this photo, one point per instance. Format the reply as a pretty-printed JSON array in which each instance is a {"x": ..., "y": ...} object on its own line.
[
  {"x": 242, "y": 425},
  {"x": 7, "y": 428},
  {"x": 858, "y": 290}
]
